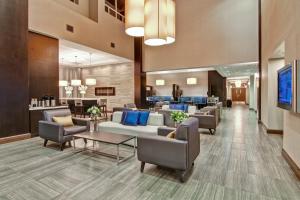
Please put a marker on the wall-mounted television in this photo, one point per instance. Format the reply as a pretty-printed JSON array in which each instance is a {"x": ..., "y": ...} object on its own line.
[{"x": 285, "y": 87}]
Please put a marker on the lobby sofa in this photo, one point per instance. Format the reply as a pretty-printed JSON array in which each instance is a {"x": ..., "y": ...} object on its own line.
[
  {"x": 178, "y": 153},
  {"x": 50, "y": 130},
  {"x": 155, "y": 121}
]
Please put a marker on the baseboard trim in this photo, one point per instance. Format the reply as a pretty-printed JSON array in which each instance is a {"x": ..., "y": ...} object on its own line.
[
  {"x": 271, "y": 131},
  {"x": 15, "y": 138},
  {"x": 291, "y": 163}
]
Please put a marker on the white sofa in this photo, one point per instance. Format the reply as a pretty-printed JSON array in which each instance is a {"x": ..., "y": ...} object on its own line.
[{"x": 154, "y": 122}]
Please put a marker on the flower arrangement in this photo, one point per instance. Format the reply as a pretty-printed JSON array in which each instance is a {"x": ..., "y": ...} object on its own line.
[
  {"x": 94, "y": 112},
  {"x": 178, "y": 116}
]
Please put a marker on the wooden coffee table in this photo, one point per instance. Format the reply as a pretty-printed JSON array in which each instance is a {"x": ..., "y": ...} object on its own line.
[{"x": 108, "y": 138}]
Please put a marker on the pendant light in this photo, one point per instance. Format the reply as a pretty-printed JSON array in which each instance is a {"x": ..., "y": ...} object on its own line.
[
  {"x": 134, "y": 17},
  {"x": 171, "y": 19},
  {"x": 156, "y": 22}
]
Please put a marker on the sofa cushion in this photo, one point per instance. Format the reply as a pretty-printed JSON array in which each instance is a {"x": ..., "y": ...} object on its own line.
[
  {"x": 113, "y": 127},
  {"x": 155, "y": 119},
  {"x": 117, "y": 117},
  {"x": 64, "y": 121},
  {"x": 143, "y": 118},
  {"x": 71, "y": 130},
  {"x": 131, "y": 118},
  {"x": 49, "y": 114}
]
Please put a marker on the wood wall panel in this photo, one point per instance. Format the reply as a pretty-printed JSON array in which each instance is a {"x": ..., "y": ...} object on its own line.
[
  {"x": 217, "y": 86},
  {"x": 14, "y": 68},
  {"x": 43, "y": 62}
]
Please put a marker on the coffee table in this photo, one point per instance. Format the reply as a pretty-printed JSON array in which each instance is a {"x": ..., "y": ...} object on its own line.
[{"x": 108, "y": 138}]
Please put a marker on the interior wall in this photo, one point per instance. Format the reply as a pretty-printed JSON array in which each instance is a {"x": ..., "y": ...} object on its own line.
[
  {"x": 280, "y": 21},
  {"x": 209, "y": 32},
  {"x": 200, "y": 89},
  {"x": 50, "y": 18},
  {"x": 13, "y": 68},
  {"x": 217, "y": 86},
  {"x": 43, "y": 66},
  {"x": 82, "y": 7},
  {"x": 120, "y": 76}
]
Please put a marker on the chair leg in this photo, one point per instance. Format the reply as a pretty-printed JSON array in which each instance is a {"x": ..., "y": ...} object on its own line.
[
  {"x": 142, "y": 166},
  {"x": 85, "y": 141},
  {"x": 45, "y": 142},
  {"x": 62, "y": 146},
  {"x": 210, "y": 131},
  {"x": 70, "y": 144},
  {"x": 182, "y": 175}
]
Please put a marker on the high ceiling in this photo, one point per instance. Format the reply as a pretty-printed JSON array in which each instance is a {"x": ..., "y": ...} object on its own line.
[
  {"x": 238, "y": 70},
  {"x": 75, "y": 55}
]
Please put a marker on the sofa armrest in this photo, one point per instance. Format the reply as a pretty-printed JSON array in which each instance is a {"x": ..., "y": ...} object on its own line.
[
  {"x": 164, "y": 131},
  {"x": 51, "y": 131},
  {"x": 163, "y": 151}
]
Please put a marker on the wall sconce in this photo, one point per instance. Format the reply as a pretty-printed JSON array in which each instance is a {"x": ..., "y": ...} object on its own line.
[
  {"x": 160, "y": 82},
  {"x": 63, "y": 83},
  {"x": 191, "y": 81},
  {"x": 76, "y": 82},
  {"x": 90, "y": 81}
]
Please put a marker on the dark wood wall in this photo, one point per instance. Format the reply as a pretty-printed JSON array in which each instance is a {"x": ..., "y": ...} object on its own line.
[
  {"x": 43, "y": 62},
  {"x": 139, "y": 75},
  {"x": 13, "y": 67},
  {"x": 217, "y": 86}
]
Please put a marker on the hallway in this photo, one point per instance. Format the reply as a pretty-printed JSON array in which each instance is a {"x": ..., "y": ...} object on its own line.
[{"x": 240, "y": 162}]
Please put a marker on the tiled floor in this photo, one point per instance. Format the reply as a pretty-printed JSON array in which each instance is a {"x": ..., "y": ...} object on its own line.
[{"x": 239, "y": 162}]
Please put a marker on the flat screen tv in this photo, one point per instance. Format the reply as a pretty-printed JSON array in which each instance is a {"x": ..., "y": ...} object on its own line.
[{"x": 285, "y": 87}]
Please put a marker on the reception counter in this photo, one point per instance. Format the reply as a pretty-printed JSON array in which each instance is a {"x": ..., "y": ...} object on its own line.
[{"x": 36, "y": 114}]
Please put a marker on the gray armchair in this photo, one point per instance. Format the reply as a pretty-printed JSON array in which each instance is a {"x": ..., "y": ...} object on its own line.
[
  {"x": 208, "y": 121},
  {"x": 178, "y": 153},
  {"x": 50, "y": 130}
]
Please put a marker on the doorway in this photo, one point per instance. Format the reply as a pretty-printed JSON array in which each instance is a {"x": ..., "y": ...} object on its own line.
[{"x": 238, "y": 94}]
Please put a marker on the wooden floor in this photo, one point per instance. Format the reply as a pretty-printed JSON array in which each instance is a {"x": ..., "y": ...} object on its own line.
[{"x": 240, "y": 162}]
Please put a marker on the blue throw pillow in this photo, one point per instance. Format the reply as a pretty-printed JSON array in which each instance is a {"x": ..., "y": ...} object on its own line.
[
  {"x": 143, "y": 118},
  {"x": 179, "y": 107},
  {"x": 131, "y": 118},
  {"x": 123, "y": 117},
  {"x": 185, "y": 107},
  {"x": 172, "y": 106}
]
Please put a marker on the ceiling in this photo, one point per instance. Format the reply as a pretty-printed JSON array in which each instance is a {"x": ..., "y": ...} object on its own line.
[
  {"x": 76, "y": 55},
  {"x": 238, "y": 70}
]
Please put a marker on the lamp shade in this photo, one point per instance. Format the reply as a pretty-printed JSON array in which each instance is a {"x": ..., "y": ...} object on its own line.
[
  {"x": 155, "y": 22},
  {"x": 90, "y": 81},
  {"x": 63, "y": 83},
  {"x": 171, "y": 21},
  {"x": 75, "y": 82},
  {"x": 160, "y": 82},
  {"x": 134, "y": 17},
  {"x": 191, "y": 81}
]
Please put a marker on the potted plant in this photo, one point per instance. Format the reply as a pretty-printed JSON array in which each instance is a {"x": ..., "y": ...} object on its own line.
[
  {"x": 94, "y": 112},
  {"x": 178, "y": 117}
]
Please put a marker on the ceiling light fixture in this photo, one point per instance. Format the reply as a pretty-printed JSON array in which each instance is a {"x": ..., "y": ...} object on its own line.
[
  {"x": 153, "y": 19},
  {"x": 134, "y": 17}
]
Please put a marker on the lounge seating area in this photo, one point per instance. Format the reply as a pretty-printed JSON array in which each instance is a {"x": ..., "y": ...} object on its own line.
[{"x": 149, "y": 100}]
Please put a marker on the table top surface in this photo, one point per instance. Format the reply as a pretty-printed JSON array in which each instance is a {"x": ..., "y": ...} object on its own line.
[{"x": 111, "y": 138}]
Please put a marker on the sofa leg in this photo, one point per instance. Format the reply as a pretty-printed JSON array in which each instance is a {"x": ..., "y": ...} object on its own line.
[
  {"x": 182, "y": 176},
  {"x": 142, "y": 166},
  {"x": 62, "y": 146},
  {"x": 45, "y": 142},
  {"x": 85, "y": 141},
  {"x": 70, "y": 144},
  {"x": 210, "y": 131}
]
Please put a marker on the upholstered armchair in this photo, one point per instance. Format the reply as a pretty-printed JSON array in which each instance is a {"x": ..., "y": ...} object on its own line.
[
  {"x": 178, "y": 153},
  {"x": 209, "y": 120},
  {"x": 50, "y": 130}
]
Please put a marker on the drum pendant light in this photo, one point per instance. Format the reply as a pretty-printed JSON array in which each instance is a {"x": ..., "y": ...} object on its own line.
[
  {"x": 134, "y": 17},
  {"x": 156, "y": 22},
  {"x": 171, "y": 19}
]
